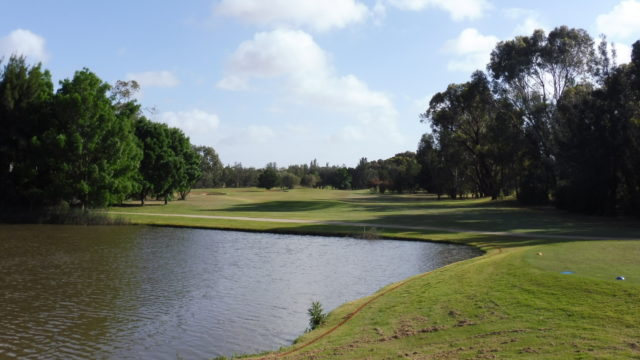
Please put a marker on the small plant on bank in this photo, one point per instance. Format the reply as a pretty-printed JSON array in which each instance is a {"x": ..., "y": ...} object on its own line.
[{"x": 316, "y": 315}]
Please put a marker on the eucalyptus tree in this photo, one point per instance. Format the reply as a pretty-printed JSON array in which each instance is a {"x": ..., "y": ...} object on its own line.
[
  {"x": 210, "y": 166},
  {"x": 474, "y": 130},
  {"x": 534, "y": 72}
]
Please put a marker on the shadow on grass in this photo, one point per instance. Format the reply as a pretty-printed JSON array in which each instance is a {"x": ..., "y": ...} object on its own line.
[
  {"x": 137, "y": 205},
  {"x": 484, "y": 241},
  {"x": 530, "y": 222},
  {"x": 283, "y": 206}
]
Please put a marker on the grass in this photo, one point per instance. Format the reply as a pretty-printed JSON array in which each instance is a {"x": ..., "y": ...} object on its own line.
[{"x": 511, "y": 303}]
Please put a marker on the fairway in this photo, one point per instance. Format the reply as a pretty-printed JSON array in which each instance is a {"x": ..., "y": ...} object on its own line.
[{"x": 513, "y": 302}]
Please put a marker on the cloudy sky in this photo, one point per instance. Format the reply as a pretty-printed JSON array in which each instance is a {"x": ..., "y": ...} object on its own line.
[{"x": 292, "y": 80}]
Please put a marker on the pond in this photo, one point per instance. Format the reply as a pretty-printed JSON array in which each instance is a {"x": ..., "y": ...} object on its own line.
[{"x": 132, "y": 292}]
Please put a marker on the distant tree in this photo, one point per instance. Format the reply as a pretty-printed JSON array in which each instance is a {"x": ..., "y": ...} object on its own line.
[
  {"x": 269, "y": 178},
  {"x": 341, "y": 179},
  {"x": 210, "y": 167},
  {"x": 430, "y": 177},
  {"x": 403, "y": 170},
  {"x": 93, "y": 152},
  {"x": 310, "y": 180},
  {"x": 289, "y": 181},
  {"x": 360, "y": 175}
]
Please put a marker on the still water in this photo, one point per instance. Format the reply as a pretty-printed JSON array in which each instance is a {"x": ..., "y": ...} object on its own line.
[{"x": 160, "y": 293}]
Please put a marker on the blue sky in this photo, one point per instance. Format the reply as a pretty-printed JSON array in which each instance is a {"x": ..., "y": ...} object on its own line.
[{"x": 292, "y": 80}]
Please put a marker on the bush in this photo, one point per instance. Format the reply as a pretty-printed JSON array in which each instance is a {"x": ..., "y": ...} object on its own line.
[{"x": 316, "y": 315}]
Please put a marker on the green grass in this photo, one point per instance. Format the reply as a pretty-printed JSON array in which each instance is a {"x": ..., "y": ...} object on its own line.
[{"x": 509, "y": 303}]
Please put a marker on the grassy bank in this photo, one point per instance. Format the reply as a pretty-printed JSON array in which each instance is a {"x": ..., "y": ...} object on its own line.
[{"x": 513, "y": 302}]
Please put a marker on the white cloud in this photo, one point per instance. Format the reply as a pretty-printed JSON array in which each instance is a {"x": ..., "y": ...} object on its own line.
[
  {"x": 309, "y": 78},
  {"x": 260, "y": 133},
  {"x": 422, "y": 104},
  {"x": 529, "y": 20},
  {"x": 24, "y": 43},
  {"x": 623, "y": 53},
  {"x": 472, "y": 50},
  {"x": 199, "y": 125},
  {"x": 154, "y": 79},
  {"x": 319, "y": 15},
  {"x": 622, "y": 22},
  {"x": 458, "y": 9}
]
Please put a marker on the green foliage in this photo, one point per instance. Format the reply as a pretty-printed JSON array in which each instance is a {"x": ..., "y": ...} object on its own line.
[
  {"x": 532, "y": 73},
  {"x": 341, "y": 179},
  {"x": 596, "y": 132},
  {"x": 289, "y": 181},
  {"x": 211, "y": 168},
  {"x": 317, "y": 316},
  {"x": 26, "y": 93},
  {"x": 93, "y": 155},
  {"x": 477, "y": 134},
  {"x": 169, "y": 162},
  {"x": 269, "y": 178}
]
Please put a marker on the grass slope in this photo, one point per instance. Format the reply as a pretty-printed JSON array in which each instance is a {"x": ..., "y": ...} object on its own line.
[{"x": 510, "y": 303}]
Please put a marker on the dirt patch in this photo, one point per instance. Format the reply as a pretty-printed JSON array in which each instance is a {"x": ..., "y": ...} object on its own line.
[{"x": 464, "y": 322}]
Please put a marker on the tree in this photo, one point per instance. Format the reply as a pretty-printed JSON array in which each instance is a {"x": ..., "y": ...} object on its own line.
[
  {"x": 26, "y": 94},
  {"x": 185, "y": 165},
  {"x": 289, "y": 180},
  {"x": 93, "y": 155},
  {"x": 269, "y": 178},
  {"x": 430, "y": 177},
  {"x": 596, "y": 133},
  {"x": 156, "y": 160},
  {"x": 403, "y": 170},
  {"x": 341, "y": 179},
  {"x": 533, "y": 72},
  {"x": 210, "y": 167},
  {"x": 468, "y": 122}
]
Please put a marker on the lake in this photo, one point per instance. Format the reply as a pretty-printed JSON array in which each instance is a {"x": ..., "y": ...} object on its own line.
[{"x": 131, "y": 292}]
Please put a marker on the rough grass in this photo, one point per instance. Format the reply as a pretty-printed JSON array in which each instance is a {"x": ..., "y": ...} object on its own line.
[{"x": 510, "y": 303}]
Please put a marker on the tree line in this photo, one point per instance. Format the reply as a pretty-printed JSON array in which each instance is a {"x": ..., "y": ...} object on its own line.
[
  {"x": 554, "y": 119},
  {"x": 86, "y": 144}
]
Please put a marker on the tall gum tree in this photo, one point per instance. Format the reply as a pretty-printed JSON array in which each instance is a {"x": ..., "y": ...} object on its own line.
[{"x": 534, "y": 72}]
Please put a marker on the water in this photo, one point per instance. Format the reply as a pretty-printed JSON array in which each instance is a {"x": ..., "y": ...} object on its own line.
[{"x": 132, "y": 292}]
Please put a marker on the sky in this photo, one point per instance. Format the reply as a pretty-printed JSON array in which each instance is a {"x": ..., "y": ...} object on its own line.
[{"x": 289, "y": 81}]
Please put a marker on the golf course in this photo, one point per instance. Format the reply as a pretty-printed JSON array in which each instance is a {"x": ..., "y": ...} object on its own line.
[{"x": 545, "y": 287}]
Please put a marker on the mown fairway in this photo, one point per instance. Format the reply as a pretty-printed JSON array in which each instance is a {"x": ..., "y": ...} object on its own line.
[{"x": 513, "y": 302}]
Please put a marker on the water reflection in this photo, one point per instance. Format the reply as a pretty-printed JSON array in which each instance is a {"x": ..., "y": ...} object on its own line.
[{"x": 138, "y": 292}]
